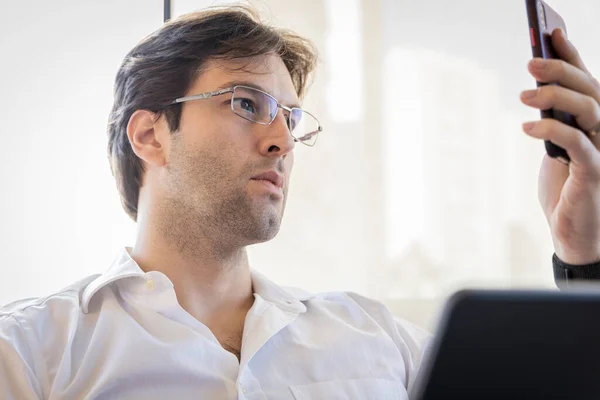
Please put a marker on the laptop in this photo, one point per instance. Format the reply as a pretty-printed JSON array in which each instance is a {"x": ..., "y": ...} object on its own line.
[{"x": 523, "y": 344}]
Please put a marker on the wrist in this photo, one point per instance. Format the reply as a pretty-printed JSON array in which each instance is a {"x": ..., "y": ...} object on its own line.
[
  {"x": 572, "y": 257},
  {"x": 575, "y": 250}
]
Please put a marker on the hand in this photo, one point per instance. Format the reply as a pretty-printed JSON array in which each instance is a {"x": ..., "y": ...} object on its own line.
[{"x": 569, "y": 194}]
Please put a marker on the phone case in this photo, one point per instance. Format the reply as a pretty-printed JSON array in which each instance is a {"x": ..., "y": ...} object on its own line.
[{"x": 541, "y": 46}]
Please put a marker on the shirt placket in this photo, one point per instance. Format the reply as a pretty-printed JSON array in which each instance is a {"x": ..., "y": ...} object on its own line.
[{"x": 264, "y": 321}]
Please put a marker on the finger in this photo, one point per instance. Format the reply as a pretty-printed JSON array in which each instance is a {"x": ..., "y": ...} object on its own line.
[
  {"x": 566, "y": 50},
  {"x": 580, "y": 148},
  {"x": 585, "y": 109},
  {"x": 566, "y": 75}
]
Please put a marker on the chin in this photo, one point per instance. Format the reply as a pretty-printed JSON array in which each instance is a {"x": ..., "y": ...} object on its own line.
[
  {"x": 265, "y": 229},
  {"x": 258, "y": 221},
  {"x": 271, "y": 228}
]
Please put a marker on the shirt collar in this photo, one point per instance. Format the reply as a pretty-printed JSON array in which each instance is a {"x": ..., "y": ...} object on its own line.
[{"x": 124, "y": 266}]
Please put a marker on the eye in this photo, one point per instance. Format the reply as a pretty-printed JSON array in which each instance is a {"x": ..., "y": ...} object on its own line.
[
  {"x": 291, "y": 122},
  {"x": 294, "y": 119},
  {"x": 245, "y": 105}
]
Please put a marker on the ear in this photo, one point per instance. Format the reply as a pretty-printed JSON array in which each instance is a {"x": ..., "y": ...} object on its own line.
[{"x": 148, "y": 141}]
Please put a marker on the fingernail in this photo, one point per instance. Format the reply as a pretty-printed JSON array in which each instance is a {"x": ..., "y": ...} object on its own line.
[
  {"x": 538, "y": 63},
  {"x": 528, "y": 94},
  {"x": 528, "y": 126}
]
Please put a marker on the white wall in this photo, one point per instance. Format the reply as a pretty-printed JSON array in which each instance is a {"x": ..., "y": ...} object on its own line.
[
  {"x": 59, "y": 211},
  {"x": 426, "y": 183}
]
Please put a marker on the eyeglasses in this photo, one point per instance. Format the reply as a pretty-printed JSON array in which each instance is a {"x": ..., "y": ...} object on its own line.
[{"x": 257, "y": 106}]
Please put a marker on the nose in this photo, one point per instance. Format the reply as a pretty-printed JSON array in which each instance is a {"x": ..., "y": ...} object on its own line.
[{"x": 277, "y": 139}]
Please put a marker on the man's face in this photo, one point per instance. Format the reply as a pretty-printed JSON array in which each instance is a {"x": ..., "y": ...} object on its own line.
[{"x": 208, "y": 180}]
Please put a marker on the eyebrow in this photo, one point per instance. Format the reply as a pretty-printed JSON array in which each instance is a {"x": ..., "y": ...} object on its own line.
[{"x": 254, "y": 86}]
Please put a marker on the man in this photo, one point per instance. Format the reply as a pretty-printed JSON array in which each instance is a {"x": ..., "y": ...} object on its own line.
[{"x": 201, "y": 138}]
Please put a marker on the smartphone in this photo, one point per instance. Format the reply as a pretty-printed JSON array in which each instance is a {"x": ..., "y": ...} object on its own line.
[{"x": 543, "y": 20}]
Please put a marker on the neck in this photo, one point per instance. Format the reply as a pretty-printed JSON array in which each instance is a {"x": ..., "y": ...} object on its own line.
[{"x": 212, "y": 281}]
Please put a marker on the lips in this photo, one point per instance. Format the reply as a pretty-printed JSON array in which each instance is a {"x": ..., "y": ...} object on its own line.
[{"x": 271, "y": 176}]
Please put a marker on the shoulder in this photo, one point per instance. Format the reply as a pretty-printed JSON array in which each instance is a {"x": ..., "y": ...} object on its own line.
[
  {"x": 32, "y": 332},
  {"x": 69, "y": 297},
  {"x": 356, "y": 307},
  {"x": 411, "y": 341},
  {"x": 27, "y": 320}
]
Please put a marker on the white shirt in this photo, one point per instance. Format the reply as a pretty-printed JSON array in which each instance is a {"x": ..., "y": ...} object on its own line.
[{"x": 123, "y": 335}]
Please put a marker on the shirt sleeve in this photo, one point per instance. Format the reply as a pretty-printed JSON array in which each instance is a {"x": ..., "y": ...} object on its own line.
[{"x": 17, "y": 372}]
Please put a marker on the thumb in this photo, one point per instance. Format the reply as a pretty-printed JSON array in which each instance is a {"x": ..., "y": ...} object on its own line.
[
  {"x": 566, "y": 50},
  {"x": 552, "y": 178}
]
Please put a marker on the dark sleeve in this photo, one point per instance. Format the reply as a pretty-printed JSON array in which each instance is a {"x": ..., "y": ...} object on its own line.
[{"x": 566, "y": 273}]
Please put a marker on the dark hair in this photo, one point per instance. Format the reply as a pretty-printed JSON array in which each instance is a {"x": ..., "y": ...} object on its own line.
[{"x": 163, "y": 66}]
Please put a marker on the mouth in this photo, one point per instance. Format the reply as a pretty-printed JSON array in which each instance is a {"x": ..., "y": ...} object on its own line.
[
  {"x": 271, "y": 177},
  {"x": 270, "y": 180}
]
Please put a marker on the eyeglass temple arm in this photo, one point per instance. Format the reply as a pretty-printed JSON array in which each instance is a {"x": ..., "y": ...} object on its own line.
[
  {"x": 202, "y": 96},
  {"x": 311, "y": 134}
]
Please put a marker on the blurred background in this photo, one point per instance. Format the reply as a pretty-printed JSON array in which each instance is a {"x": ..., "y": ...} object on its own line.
[{"x": 421, "y": 184}]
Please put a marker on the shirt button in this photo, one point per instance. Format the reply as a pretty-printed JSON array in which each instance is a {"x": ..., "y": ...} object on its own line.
[
  {"x": 243, "y": 389},
  {"x": 150, "y": 284}
]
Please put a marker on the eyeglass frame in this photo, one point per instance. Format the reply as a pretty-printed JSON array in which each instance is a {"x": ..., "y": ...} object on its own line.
[{"x": 231, "y": 90}]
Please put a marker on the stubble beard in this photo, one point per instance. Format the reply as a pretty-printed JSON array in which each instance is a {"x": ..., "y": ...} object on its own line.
[{"x": 205, "y": 205}]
